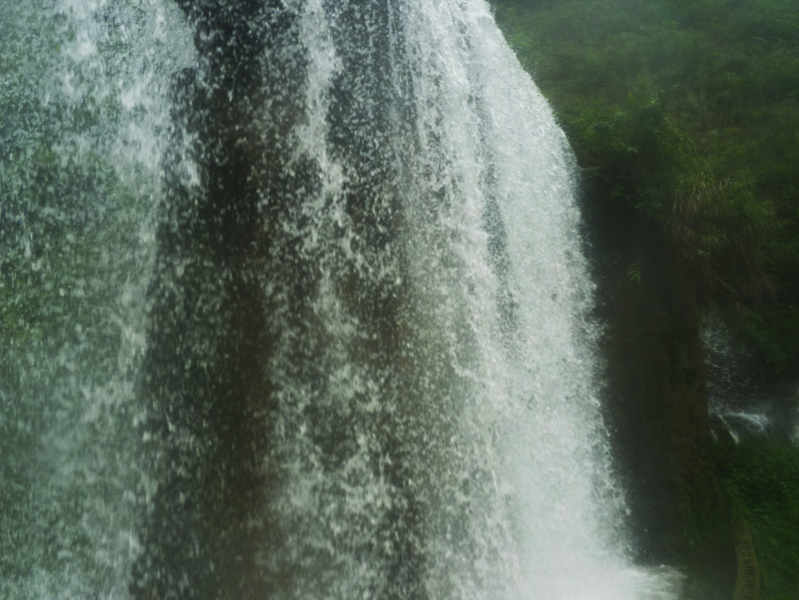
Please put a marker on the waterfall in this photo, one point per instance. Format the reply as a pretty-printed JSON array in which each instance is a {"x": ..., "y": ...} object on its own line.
[{"x": 294, "y": 305}]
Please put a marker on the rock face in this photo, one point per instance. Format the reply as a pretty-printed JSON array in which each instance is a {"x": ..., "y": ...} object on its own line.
[
  {"x": 205, "y": 384},
  {"x": 655, "y": 395}
]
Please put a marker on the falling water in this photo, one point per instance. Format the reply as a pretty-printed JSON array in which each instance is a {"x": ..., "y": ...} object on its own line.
[{"x": 293, "y": 305}]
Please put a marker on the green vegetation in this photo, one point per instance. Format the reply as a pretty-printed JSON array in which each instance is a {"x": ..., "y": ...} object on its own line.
[
  {"x": 62, "y": 216},
  {"x": 72, "y": 253},
  {"x": 65, "y": 204},
  {"x": 687, "y": 111},
  {"x": 763, "y": 485},
  {"x": 756, "y": 484}
]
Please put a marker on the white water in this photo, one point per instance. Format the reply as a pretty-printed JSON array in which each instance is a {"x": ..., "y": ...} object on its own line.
[
  {"x": 740, "y": 398},
  {"x": 484, "y": 426},
  {"x": 83, "y": 115}
]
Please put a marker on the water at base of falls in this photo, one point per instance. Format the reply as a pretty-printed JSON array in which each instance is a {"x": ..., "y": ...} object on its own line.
[{"x": 294, "y": 306}]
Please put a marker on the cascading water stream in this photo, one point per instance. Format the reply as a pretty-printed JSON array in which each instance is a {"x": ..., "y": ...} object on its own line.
[{"x": 294, "y": 305}]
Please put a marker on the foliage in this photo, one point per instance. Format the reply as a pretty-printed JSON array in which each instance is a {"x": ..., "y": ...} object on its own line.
[
  {"x": 718, "y": 224},
  {"x": 688, "y": 112},
  {"x": 755, "y": 483},
  {"x": 772, "y": 332},
  {"x": 72, "y": 253},
  {"x": 61, "y": 217},
  {"x": 633, "y": 146}
]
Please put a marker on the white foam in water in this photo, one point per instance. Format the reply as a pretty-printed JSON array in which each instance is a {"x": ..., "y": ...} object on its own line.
[
  {"x": 86, "y": 114},
  {"x": 492, "y": 402}
]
